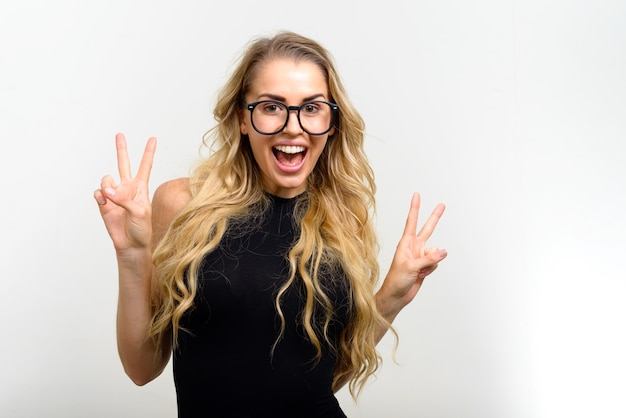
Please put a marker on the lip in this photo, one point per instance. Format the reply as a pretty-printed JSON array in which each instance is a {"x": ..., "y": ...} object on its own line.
[{"x": 290, "y": 169}]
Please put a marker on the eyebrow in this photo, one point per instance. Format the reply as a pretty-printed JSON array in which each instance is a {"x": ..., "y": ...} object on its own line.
[{"x": 282, "y": 99}]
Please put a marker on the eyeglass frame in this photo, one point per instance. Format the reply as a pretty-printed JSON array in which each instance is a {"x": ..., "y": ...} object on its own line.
[{"x": 334, "y": 108}]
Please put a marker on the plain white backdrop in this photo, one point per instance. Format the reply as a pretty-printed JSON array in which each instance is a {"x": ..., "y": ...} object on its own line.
[{"x": 511, "y": 112}]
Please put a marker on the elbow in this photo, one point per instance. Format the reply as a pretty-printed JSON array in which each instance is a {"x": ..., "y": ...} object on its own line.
[
  {"x": 143, "y": 366},
  {"x": 140, "y": 377},
  {"x": 139, "y": 380}
]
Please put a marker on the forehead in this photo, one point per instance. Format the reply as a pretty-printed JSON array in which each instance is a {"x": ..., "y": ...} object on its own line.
[{"x": 288, "y": 78}]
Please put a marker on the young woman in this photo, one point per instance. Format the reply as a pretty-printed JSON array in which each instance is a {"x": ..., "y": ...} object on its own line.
[{"x": 258, "y": 273}]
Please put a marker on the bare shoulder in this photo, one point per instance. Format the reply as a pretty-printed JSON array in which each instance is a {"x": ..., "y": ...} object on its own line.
[
  {"x": 169, "y": 198},
  {"x": 173, "y": 194}
]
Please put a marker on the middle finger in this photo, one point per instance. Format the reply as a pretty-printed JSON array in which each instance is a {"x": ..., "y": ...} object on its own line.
[
  {"x": 431, "y": 223},
  {"x": 123, "y": 163}
]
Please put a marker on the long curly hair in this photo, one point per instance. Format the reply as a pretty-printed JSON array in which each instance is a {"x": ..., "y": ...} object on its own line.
[{"x": 336, "y": 219}]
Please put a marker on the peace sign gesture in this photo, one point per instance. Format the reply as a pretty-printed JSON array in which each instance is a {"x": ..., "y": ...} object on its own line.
[
  {"x": 125, "y": 207},
  {"x": 412, "y": 261}
]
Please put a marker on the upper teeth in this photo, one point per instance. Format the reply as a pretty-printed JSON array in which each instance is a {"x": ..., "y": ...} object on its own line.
[{"x": 290, "y": 149}]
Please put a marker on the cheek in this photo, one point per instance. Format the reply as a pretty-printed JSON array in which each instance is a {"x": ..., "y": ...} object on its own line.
[
  {"x": 320, "y": 148},
  {"x": 259, "y": 148}
]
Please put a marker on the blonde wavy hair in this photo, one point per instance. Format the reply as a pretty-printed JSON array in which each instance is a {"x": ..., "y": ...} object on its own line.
[{"x": 336, "y": 219}]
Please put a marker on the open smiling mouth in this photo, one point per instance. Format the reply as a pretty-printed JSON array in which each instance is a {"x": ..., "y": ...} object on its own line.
[{"x": 289, "y": 155}]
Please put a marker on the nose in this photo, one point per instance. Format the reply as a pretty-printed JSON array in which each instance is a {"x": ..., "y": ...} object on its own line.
[{"x": 293, "y": 124}]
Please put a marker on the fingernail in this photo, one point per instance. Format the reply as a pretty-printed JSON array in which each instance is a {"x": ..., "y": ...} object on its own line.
[
  {"x": 443, "y": 253},
  {"x": 101, "y": 200},
  {"x": 109, "y": 191}
]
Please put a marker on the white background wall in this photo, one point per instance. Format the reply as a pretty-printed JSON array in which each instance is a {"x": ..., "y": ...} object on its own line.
[{"x": 511, "y": 112}]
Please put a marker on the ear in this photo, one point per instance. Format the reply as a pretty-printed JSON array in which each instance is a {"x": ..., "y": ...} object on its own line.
[
  {"x": 243, "y": 125},
  {"x": 335, "y": 126}
]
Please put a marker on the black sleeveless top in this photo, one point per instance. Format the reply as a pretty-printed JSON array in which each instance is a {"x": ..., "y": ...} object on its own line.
[{"x": 224, "y": 366}]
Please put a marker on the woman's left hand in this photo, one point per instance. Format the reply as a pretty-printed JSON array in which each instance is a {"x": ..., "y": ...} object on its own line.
[{"x": 412, "y": 261}]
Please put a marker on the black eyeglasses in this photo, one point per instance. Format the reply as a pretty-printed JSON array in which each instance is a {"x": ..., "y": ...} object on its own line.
[{"x": 270, "y": 117}]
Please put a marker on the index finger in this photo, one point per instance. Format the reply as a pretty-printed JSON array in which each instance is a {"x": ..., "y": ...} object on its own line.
[
  {"x": 431, "y": 222},
  {"x": 410, "y": 228},
  {"x": 145, "y": 166}
]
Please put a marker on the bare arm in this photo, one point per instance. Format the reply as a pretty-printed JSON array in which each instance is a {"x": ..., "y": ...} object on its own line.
[
  {"x": 411, "y": 263},
  {"x": 128, "y": 217}
]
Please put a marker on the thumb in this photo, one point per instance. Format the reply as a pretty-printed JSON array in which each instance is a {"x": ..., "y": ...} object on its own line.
[
  {"x": 431, "y": 257},
  {"x": 122, "y": 197}
]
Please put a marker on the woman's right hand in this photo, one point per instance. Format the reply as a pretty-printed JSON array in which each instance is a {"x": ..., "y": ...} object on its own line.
[{"x": 125, "y": 207}]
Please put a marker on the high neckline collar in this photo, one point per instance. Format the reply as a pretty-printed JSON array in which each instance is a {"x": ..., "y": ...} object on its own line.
[{"x": 282, "y": 200}]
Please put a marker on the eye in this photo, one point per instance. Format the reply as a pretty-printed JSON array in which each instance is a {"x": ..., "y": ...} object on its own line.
[
  {"x": 272, "y": 107},
  {"x": 310, "y": 108}
]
